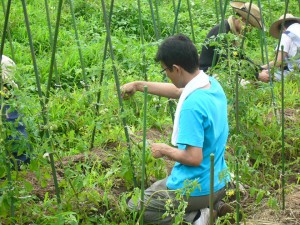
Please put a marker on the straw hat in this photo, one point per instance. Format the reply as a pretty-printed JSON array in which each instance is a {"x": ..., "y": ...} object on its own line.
[
  {"x": 7, "y": 68},
  {"x": 242, "y": 8},
  {"x": 276, "y": 26}
]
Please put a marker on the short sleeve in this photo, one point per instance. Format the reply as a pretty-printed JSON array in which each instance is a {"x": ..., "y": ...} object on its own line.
[
  {"x": 191, "y": 128},
  {"x": 286, "y": 42}
]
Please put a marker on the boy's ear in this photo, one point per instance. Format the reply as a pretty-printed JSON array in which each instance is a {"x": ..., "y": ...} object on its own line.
[{"x": 176, "y": 68}]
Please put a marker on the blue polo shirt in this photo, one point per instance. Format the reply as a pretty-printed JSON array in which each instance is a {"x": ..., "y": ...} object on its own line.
[{"x": 203, "y": 123}]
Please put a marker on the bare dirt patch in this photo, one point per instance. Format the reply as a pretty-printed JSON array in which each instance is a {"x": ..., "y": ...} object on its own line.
[{"x": 289, "y": 216}]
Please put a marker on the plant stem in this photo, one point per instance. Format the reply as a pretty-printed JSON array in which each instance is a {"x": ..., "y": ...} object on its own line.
[
  {"x": 117, "y": 82},
  {"x": 57, "y": 78},
  {"x": 144, "y": 152},
  {"x": 282, "y": 134},
  {"x": 211, "y": 195},
  {"x": 78, "y": 46}
]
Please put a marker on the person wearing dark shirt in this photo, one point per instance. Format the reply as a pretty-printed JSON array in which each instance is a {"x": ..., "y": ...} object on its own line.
[{"x": 233, "y": 24}]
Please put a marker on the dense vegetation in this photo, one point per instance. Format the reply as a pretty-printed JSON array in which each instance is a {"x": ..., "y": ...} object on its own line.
[{"x": 95, "y": 183}]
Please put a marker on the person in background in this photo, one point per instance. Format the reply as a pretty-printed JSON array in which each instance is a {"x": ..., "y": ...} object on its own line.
[
  {"x": 16, "y": 137},
  {"x": 235, "y": 24},
  {"x": 289, "y": 58},
  {"x": 200, "y": 129}
]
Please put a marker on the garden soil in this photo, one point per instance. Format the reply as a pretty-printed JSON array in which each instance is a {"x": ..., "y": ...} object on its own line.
[{"x": 262, "y": 215}]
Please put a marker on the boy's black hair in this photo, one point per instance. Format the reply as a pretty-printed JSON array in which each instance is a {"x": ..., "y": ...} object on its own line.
[{"x": 179, "y": 50}]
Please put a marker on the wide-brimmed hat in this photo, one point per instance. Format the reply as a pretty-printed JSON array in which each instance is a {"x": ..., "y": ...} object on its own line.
[
  {"x": 8, "y": 68},
  {"x": 276, "y": 26},
  {"x": 242, "y": 8}
]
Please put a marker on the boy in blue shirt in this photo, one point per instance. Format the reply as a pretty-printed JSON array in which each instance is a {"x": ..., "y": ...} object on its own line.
[{"x": 200, "y": 128}]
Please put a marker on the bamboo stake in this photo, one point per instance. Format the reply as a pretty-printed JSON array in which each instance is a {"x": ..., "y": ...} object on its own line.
[
  {"x": 211, "y": 195},
  {"x": 4, "y": 31},
  {"x": 53, "y": 50},
  {"x": 191, "y": 20},
  {"x": 282, "y": 134},
  {"x": 102, "y": 74},
  {"x": 281, "y": 29},
  {"x": 263, "y": 43},
  {"x": 153, "y": 19},
  {"x": 44, "y": 109},
  {"x": 53, "y": 63},
  {"x": 118, "y": 90},
  {"x": 176, "y": 17},
  {"x": 78, "y": 46},
  {"x": 221, "y": 28},
  {"x": 222, "y": 11},
  {"x": 175, "y": 12},
  {"x": 270, "y": 11},
  {"x": 144, "y": 153},
  {"x": 237, "y": 150},
  {"x": 217, "y": 11},
  {"x": 247, "y": 22},
  {"x": 262, "y": 48},
  {"x": 271, "y": 72},
  {"x": 237, "y": 181},
  {"x": 142, "y": 37},
  {"x": 9, "y": 34},
  {"x": 57, "y": 78},
  {"x": 158, "y": 18}
]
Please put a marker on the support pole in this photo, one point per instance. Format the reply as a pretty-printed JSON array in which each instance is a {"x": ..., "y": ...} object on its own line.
[
  {"x": 57, "y": 78},
  {"x": 176, "y": 17},
  {"x": 102, "y": 74},
  {"x": 53, "y": 50},
  {"x": 78, "y": 46},
  {"x": 42, "y": 103},
  {"x": 9, "y": 34},
  {"x": 282, "y": 135},
  {"x": 117, "y": 82},
  {"x": 211, "y": 195},
  {"x": 144, "y": 154}
]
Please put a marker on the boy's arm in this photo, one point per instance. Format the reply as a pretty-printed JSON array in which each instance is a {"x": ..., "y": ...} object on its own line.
[{"x": 167, "y": 90}]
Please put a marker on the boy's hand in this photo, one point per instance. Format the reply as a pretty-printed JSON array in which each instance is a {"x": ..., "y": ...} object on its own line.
[{"x": 127, "y": 90}]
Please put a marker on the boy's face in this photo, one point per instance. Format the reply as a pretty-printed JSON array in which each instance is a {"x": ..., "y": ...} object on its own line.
[{"x": 173, "y": 74}]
